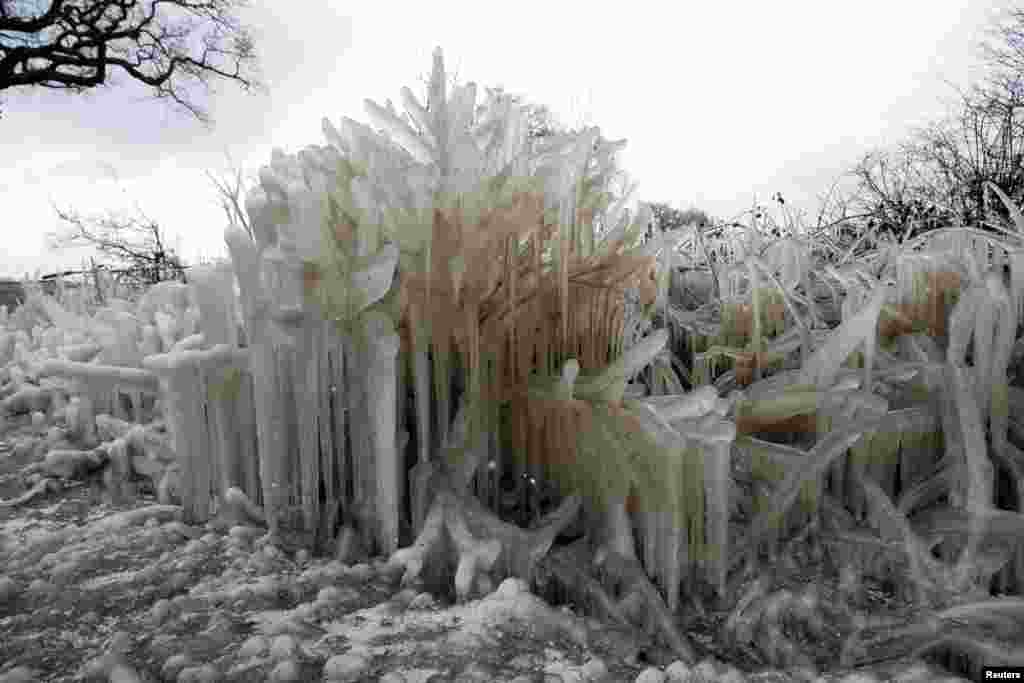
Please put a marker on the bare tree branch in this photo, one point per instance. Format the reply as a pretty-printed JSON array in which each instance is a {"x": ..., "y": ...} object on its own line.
[
  {"x": 74, "y": 44},
  {"x": 232, "y": 198},
  {"x": 135, "y": 245}
]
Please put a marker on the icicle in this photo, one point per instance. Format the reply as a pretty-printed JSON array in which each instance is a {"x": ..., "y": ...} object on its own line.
[
  {"x": 716, "y": 437},
  {"x": 327, "y": 455},
  {"x": 984, "y": 329},
  {"x": 1003, "y": 340},
  {"x": 964, "y": 432},
  {"x": 421, "y": 383},
  {"x": 961, "y": 324},
  {"x": 357, "y": 365},
  {"x": 308, "y": 413},
  {"x": 381, "y": 389},
  {"x": 1017, "y": 280},
  {"x": 339, "y": 403},
  {"x": 964, "y": 438}
]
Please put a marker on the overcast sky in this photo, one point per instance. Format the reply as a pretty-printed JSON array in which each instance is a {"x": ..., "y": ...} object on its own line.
[{"x": 720, "y": 101}]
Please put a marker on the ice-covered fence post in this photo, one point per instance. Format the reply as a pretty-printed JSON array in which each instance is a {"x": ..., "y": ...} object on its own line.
[
  {"x": 305, "y": 385},
  {"x": 222, "y": 371},
  {"x": 270, "y": 424},
  {"x": 181, "y": 391},
  {"x": 200, "y": 389},
  {"x": 382, "y": 381},
  {"x": 213, "y": 291}
]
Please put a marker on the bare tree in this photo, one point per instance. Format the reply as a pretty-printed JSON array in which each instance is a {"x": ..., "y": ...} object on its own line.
[
  {"x": 939, "y": 174},
  {"x": 136, "y": 247},
  {"x": 73, "y": 45},
  {"x": 884, "y": 189},
  {"x": 983, "y": 143},
  {"x": 1003, "y": 52}
]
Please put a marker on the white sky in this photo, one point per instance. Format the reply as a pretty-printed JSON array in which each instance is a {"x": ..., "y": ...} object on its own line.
[{"x": 719, "y": 101}]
